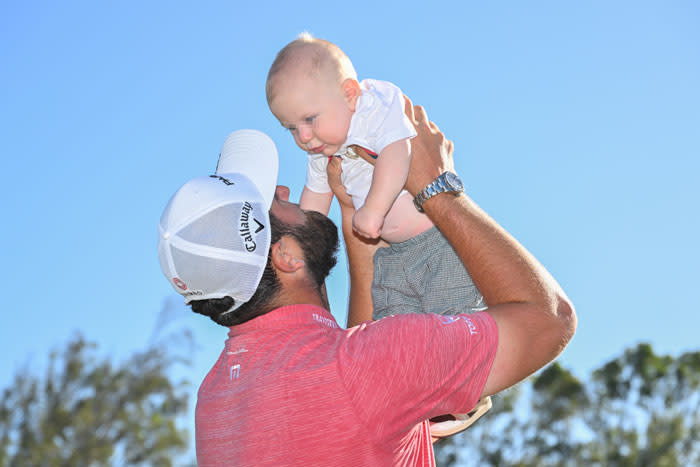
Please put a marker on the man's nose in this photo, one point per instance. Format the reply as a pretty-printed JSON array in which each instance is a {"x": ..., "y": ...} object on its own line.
[{"x": 282, "y": 192}]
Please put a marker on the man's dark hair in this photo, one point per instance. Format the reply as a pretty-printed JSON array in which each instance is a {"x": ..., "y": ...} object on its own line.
[{"x": 318, "y": 238}]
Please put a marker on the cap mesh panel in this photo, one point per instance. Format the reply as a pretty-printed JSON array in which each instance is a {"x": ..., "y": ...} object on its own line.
[
  {"x": 231, "y": 227},
  {"x": 215, "y": 275},
  {"x": 216, "y": 228}
]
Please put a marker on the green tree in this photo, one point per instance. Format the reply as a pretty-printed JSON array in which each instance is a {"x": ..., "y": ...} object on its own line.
[
  {"x": 86, "y": 411},
  {"x": 640, "y": 409}
]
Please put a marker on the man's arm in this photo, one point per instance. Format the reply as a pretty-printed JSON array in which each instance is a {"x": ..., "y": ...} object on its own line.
[
  {"x": 535, "y": 318},
  {"x": 360, "y": 252}
]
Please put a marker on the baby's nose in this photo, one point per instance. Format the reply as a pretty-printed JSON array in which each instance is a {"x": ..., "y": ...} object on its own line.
[{"x": 305, "y": 134}]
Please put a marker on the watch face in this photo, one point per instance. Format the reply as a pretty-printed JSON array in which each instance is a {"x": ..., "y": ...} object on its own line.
[{"x": 454, "y": 182}]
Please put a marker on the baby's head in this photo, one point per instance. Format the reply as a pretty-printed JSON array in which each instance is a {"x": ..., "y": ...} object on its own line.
[{"x": 312, "y": 89}]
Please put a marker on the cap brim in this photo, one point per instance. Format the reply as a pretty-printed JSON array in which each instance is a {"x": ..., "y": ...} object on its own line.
[{"x": 253, "y": 154}]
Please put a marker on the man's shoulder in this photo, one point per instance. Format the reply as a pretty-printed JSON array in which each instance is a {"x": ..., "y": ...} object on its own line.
[{"x": 412, "y": 327}]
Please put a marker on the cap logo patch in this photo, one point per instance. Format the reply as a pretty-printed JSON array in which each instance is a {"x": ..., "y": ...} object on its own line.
[
  {"x": 191, "y": 293},
  {"x": 260, "y": 226},
  {"x": 244, "y": 229},
  {"x": 179, "y": 283},
  {"x": 226, "y": 181}
]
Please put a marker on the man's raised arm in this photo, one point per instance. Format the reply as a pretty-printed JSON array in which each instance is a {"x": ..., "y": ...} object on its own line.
[
  {"x": 360, "y": 252},
  {"x": 535, "y": 318}
]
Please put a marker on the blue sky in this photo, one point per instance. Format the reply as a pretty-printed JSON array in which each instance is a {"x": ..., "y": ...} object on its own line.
[{"x": 576, "y": 126}]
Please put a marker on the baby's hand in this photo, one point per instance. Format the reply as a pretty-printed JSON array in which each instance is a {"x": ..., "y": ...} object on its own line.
[{"x": 367, "y": 223}]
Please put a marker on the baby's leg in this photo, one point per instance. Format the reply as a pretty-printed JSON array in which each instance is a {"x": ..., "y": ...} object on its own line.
[
  {"x": 390, "y": 286},
  {"x": 422, "y": 275},
  {"x": 448, "y": 287}
]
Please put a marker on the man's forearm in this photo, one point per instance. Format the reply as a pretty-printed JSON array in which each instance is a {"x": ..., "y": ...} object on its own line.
[
  {"x": 503, "y": 270},
  {"x": 533, "y": 314},
  {"x": 360, "y": 254}
]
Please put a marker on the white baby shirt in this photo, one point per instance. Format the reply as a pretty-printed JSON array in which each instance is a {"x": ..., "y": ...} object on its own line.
[{"x": 378, "y": 120}]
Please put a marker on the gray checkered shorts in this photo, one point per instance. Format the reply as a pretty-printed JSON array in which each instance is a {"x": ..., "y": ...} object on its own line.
[{"x": 422, "y": 275}]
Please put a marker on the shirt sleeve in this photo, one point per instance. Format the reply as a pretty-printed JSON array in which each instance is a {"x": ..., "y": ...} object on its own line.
[
  {"x": 316, "y": 175},
  {"x": 379, "y": 118},
  {"x": 404, "y": 369}
]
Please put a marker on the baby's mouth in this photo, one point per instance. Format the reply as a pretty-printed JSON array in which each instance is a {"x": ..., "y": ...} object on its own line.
[{"x": 317, "y": 149}]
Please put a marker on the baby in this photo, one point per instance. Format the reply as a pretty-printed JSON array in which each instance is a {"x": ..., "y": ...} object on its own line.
[{"x": 312, "y": 89}]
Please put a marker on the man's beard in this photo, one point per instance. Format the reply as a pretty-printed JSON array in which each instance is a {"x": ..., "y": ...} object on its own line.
[{"x": 318, "y": 238}]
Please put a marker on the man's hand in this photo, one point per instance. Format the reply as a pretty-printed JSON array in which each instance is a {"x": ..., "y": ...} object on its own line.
[
  {"x": 431, "y": 152},
  {"x": 333, "y": 171}
]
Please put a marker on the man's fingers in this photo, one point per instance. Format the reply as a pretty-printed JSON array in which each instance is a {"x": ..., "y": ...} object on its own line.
[
  {"x": 334, "y": 166},
  {"x": 421, "y": 116},
  {"x": 334, "y": 162},
  {"x": 408, "y": 108},
  {"x": 417, "y": 114}
]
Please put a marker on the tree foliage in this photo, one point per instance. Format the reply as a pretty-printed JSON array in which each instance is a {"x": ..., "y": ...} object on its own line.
[
  {"x": 87, "y": 411},
  {"x": 640, "y": 409}
]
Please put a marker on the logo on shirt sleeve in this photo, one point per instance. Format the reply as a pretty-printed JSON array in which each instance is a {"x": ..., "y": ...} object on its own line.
[
  {"x": 472, "y": 327},
  {"x": 453, "y": 319},
  {"x": 448, "y": 319},
  {"x": 234, "y": 371}
]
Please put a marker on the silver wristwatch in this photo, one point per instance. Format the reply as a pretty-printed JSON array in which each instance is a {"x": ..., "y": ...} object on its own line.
[{"x": 447, "y": 182}]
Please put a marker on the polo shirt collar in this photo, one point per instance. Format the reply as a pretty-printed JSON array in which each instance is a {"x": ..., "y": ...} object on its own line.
[{"x": 287, "y": 317}]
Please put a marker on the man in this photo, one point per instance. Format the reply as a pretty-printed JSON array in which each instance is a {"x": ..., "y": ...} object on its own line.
[{"x": 290, "y": 386}]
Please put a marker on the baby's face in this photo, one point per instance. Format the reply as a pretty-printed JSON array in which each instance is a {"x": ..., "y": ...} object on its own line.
[{"x": 315, "y": 110}]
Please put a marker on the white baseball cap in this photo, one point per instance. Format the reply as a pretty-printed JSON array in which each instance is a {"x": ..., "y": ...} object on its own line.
[{"x": 214, "y": 234}]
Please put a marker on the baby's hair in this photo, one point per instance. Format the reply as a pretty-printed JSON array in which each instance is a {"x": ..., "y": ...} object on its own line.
[{"x": 317, "y": 55}]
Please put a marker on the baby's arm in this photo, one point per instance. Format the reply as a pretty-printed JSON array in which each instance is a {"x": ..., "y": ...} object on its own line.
[
  {"x": 313, "y": 201},
  {"x": 390, "y": 172}
]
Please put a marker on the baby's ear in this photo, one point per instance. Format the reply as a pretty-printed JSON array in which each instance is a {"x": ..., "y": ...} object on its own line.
[{"x": 351, "y": 91}]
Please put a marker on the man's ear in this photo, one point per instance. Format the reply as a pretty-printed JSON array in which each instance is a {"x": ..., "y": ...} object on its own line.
[
  {"x": 286, "y": 255},
  {"x": 351, "y": 91}
]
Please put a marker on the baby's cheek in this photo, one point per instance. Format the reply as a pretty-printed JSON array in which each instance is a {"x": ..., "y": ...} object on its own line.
[{"x": 298, "y": 143}]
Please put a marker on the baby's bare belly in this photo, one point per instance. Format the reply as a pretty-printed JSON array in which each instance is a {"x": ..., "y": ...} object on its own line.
[{"x": 404, "y": 221}]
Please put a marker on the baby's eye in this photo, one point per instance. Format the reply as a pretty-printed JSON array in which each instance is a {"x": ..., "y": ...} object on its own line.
[
  {"x": 291, "y": 128},
  {"x": 310, "y": 119}
]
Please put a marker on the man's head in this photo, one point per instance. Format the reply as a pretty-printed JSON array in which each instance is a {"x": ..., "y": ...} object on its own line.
[
  {"x": 318, "y": 239},
  {"x": 222, "y": 236},
  {"x": 312, "y": 89}
]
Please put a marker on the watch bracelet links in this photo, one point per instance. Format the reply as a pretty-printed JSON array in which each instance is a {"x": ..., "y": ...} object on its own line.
[{"x": 428, "y": 192}]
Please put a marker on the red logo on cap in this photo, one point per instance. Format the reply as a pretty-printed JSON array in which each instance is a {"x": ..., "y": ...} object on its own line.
[{"x": 179, "y": 283}]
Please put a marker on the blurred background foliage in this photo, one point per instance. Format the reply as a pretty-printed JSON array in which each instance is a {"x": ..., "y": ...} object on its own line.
[
  {"x": 87, "y": 411},
  {"x": 639, "y": 409}
]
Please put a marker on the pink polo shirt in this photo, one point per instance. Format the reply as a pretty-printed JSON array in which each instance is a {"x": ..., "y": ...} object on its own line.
[{"x": 293, "y": 388}]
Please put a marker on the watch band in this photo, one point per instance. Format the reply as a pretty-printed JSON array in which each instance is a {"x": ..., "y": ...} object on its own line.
[{"x": 446, "y": 182}]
